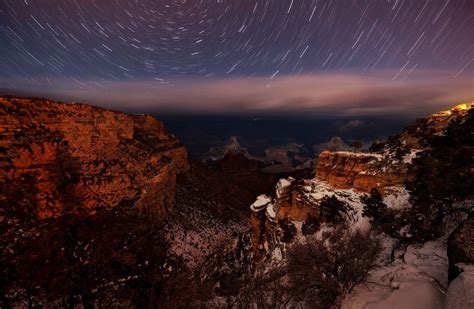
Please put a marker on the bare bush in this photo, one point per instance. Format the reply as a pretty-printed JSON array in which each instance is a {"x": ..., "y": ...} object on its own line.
[{"x": 333, "y": 265}]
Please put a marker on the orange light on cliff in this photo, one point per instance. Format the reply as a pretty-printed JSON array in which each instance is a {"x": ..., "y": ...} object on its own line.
[{"x": 463, "y": 106}]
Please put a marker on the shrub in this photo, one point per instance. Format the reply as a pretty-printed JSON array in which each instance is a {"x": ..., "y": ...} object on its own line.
[
  {"x": 333, "y": 265},
  {"x": 374, "y": 207},
  {"x": 289, "y": 231},
  {"x": 333, "y": 210}
]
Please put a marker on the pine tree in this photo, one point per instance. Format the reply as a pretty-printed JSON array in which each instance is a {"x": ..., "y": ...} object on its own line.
[{"x": 374, "y": 207}]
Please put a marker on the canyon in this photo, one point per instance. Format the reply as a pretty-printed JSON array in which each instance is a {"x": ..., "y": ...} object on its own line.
[
  {"x": 344, "y": 173},
  {"x": 126, "y": 215}
]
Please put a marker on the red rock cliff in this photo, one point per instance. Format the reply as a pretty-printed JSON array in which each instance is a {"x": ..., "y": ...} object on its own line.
[
  {"x": 57, "y": 157},
  {"x": 364, "y": 171},
  {"x": 361, "y": 171}
]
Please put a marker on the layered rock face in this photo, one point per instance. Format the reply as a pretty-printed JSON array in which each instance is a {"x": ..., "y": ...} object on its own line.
[
  {"x": 390, "y": 167},
  {"x": 62, "y": 157},
  {"x": 361, "y": 171}
]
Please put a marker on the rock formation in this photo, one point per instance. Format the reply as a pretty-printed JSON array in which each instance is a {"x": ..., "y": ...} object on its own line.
[
  {"x": 345, "y": 175},
  {"x": 391, "y": 166},
  {"x": 72, "y": 157},
  {"x": 361, "y": 171},
  {"x": 460, "y": 294},
  {"x": 461, "y": 247},
  {"x": 349, "y": 175}
]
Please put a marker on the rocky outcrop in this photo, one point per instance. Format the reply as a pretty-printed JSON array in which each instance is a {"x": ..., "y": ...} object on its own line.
[
  {"x": 391, "y": 166},
  {"x": 460, "y": 294},
  {"x": 72, "y": 157},
  {"x": 414, "y": 137},
  {"x": 361, "y": 171},
  {"x": 291, "y": 203},
  {"x": 461, "y": 247}
]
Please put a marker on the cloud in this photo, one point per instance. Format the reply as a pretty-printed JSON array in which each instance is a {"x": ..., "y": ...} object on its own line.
[
  {"x": 325, "y": 93},
  {"x": 352, "y": 125}
]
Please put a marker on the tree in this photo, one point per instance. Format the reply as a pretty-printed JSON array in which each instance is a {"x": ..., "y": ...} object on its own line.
[
  {"x": 333, "y": 265},
  {"x": 310, "y": 226},
  {"x": 289, "y": 231},
  {"x": 377, "y": 147},
  {"x": 374, "y": 207},
  {"x": 333, "y": 210},
  {"x": 442, "y": 180},
  {"x": 357, "y": 145}
]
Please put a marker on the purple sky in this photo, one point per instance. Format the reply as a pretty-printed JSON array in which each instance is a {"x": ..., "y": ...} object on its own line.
[{"x": 245, "y": 56}]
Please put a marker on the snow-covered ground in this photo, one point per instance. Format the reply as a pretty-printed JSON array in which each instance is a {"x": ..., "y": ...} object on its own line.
[
  {"x": 418, "y": 275},
  {"x": 413, "y": 276},
  {"x": 194, "y": 234},
  {"x": 417, "y": 278},
  {"x": 361, "y": 154}
]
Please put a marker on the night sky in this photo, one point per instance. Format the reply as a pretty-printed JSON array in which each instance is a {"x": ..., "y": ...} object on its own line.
[{"x": 85, "y": 49}]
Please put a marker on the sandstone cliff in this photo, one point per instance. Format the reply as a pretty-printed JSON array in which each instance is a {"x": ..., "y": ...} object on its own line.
[
  {"x": 62, "y": 157},
  {"x": 361, "y": 171},
  {"x": 391, "y": 165}
]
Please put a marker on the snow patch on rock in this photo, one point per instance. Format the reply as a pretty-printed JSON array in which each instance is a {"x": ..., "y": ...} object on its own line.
[
  {"x": 316, "y": 190},
  {"x": 262, "y": 201},
  {"x": 397, "y": 197},
  {"x": 408, "y": 158}
]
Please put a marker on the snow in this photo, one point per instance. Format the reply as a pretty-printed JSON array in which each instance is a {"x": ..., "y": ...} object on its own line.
[
  {"x": 412, "y": 294},
  {"x": 417, "y": 278},
  {"x": 193, "y": 233},
  {"x": 397, "y": 197},
  {"x": 408, "y": 158},
  {"x": 262, "y": 201},
  {"x": 316, "y": 190},
  {"x": 361, "y": 154},
  {"x": 277, "y": 255},
  {"x": 283, "y": 183},
  {"x": 460, "y": 293},
  {"x": 271, "y": 211}
]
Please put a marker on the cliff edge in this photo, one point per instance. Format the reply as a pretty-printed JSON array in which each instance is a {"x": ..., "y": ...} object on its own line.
[{"x": 61, "y": 157}]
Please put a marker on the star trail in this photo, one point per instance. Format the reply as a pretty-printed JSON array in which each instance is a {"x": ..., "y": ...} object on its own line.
[{"x": 90, "y": 43}]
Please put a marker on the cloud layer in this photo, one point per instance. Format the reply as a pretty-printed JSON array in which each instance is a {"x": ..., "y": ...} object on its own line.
[{"x": 327, "y": 93}]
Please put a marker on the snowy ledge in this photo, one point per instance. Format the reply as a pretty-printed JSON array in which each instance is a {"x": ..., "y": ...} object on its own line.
[{"x": 261, "y": 203}]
